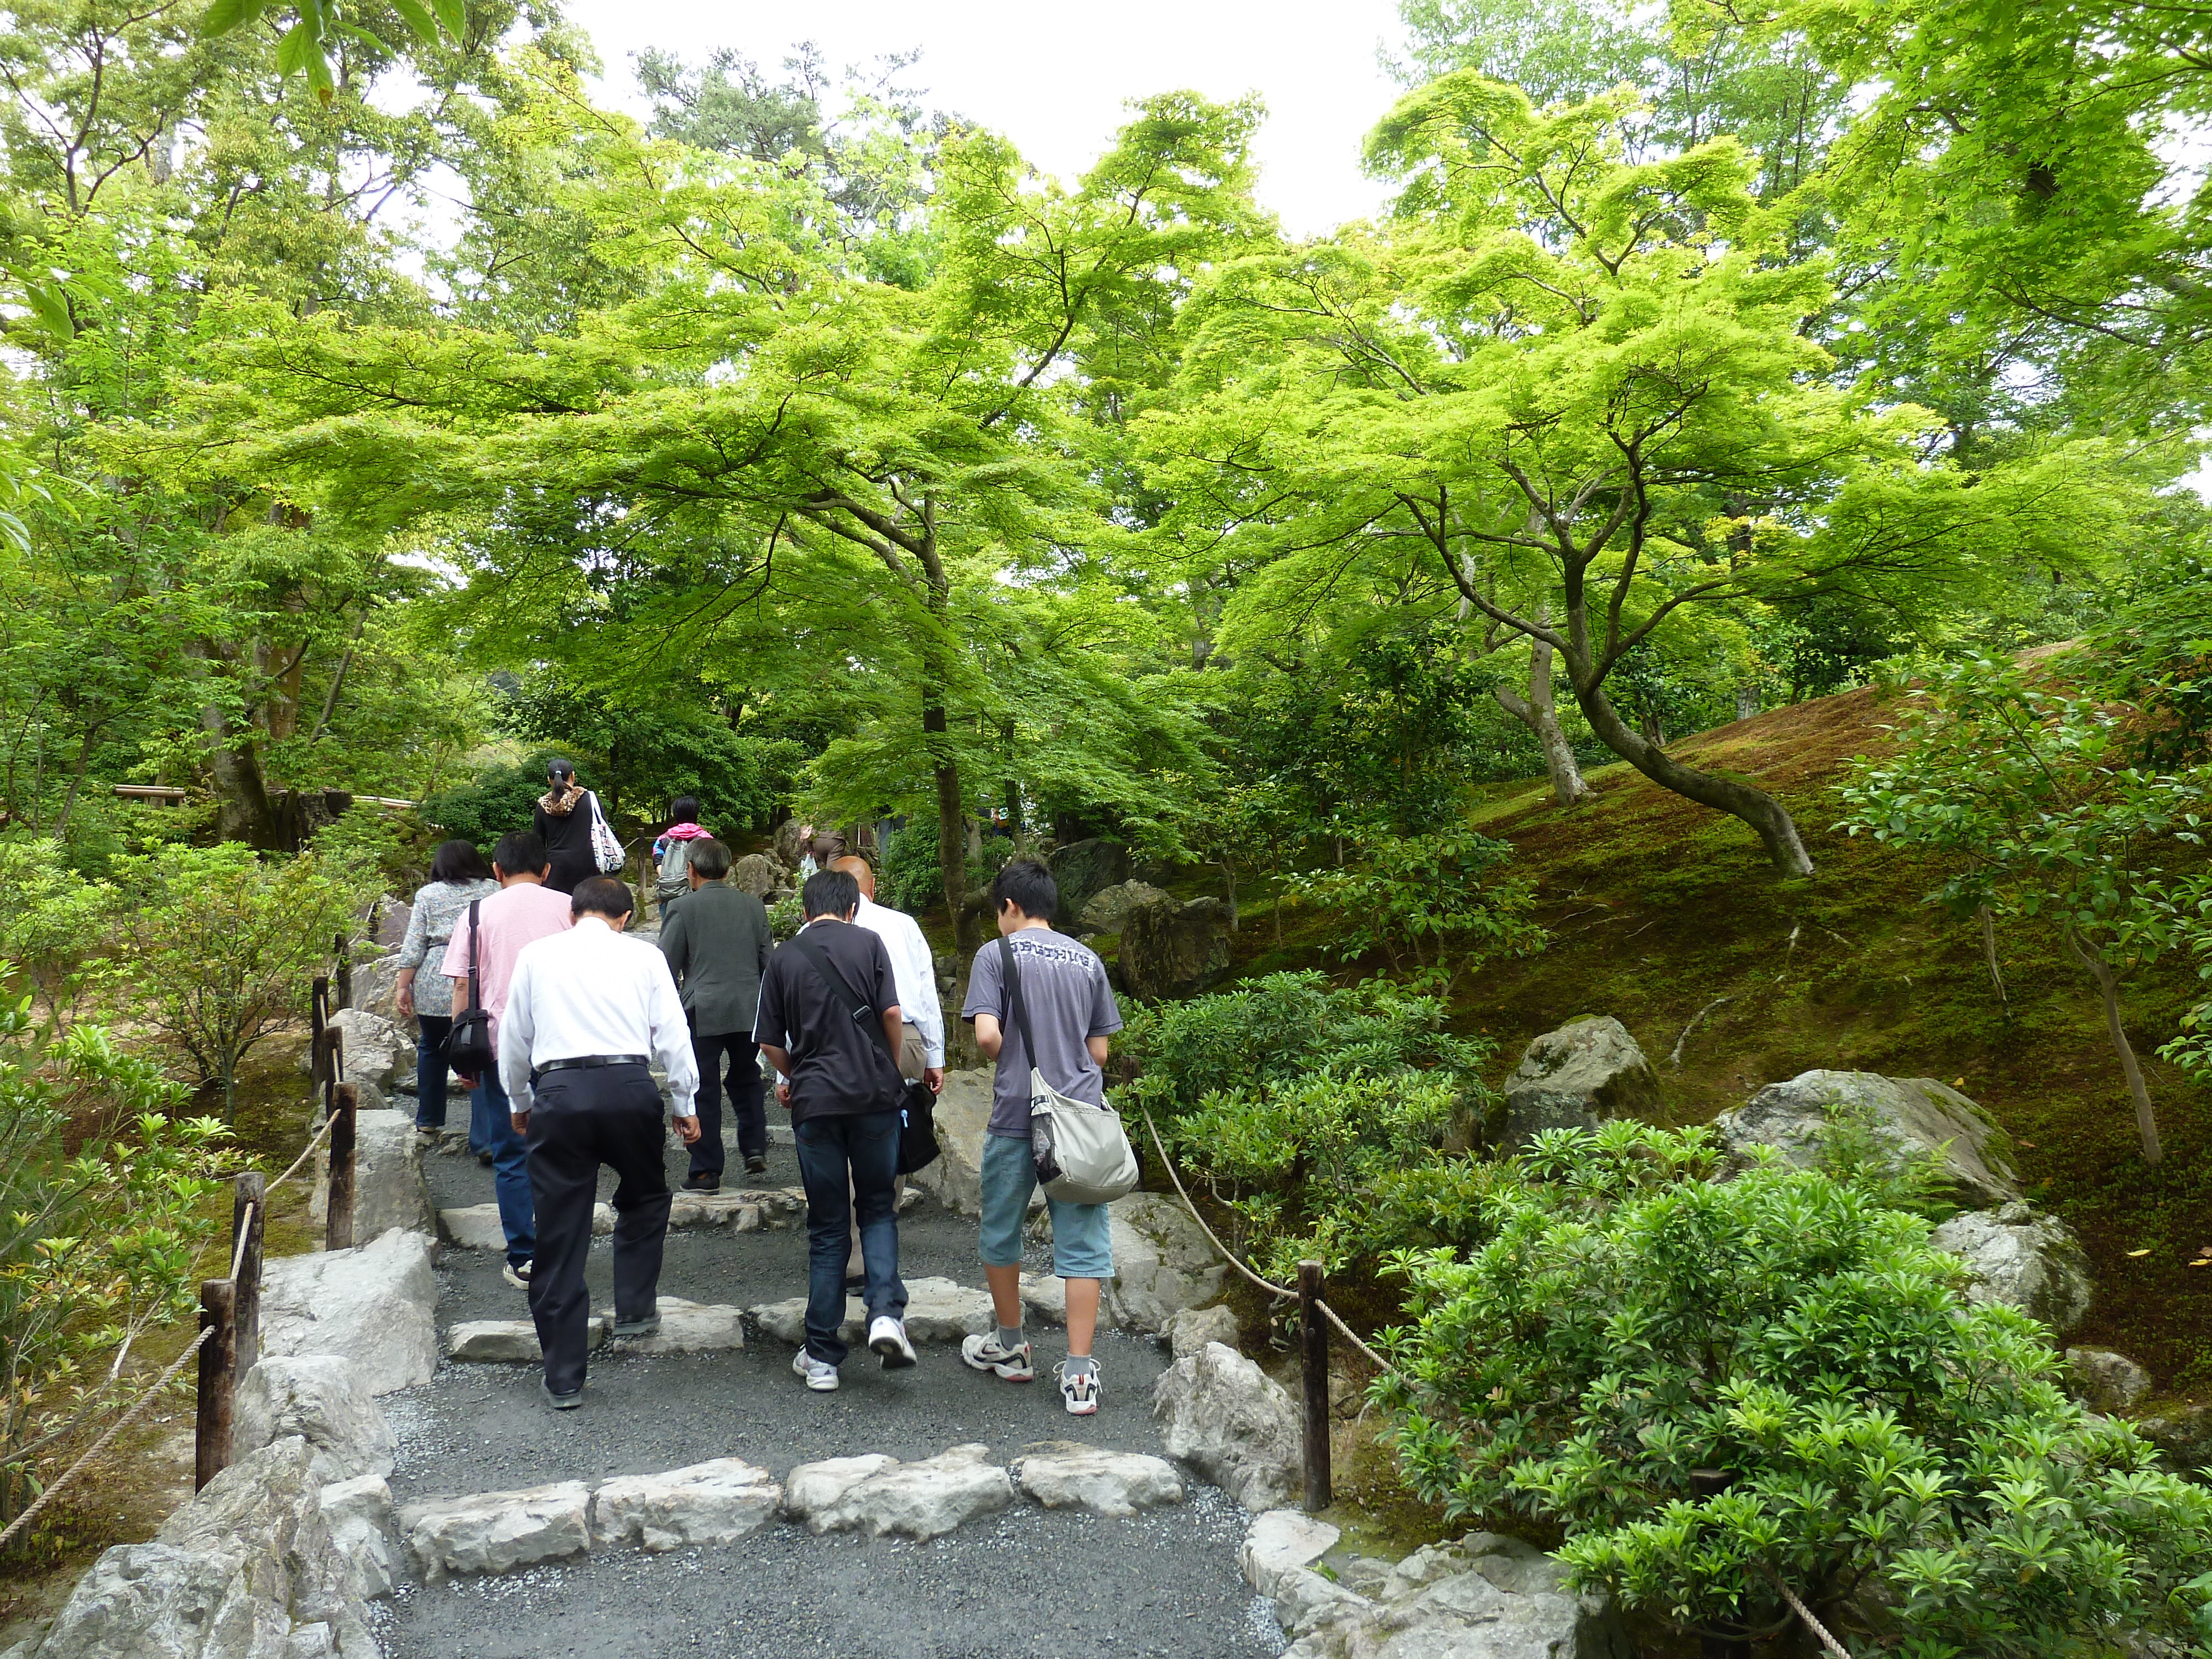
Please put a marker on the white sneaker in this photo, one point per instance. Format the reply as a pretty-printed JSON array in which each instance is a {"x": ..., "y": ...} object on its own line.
[
  {"x": 820, "y": 1375},
  {"x": 887, "y": 1336},
  {"x": 985, "y": 1354},
  {"x": 1078, "y": 1390},
  {"x": 517, "y": 1273}
]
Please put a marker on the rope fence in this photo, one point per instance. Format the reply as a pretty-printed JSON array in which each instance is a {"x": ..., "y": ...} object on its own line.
[{"x": 230, "y": 1338}]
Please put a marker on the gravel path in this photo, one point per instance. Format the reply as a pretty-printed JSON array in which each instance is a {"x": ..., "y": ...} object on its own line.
[{"x": 1025, "y": 1581}]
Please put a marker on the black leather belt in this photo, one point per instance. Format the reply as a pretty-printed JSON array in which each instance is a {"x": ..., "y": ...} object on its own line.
[{"x": 586, "y": 1062}]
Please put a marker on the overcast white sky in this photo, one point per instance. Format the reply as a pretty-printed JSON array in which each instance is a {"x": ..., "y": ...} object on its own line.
[{"x": 1054, "y": 78}]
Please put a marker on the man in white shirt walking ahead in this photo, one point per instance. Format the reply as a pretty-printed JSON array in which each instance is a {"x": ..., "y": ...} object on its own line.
[
  {"x": 921, "y": 1048},
  {"x": 922, "y": 1017},
  {"x": 588, "y": 1011}
]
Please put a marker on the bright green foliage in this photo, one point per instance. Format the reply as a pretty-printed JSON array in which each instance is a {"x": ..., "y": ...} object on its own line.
[
  {"x": 1433, "y": 905},
  {"x": 1902, "y": 1461},
  {"x": 1576, "y": 395},
  {"x": 323, "y": 26},
  {"x": 2029, "y": 793},
  {"x": 224, "y": 945},
  {"x": 1286, "y": 1026},
  {"x": 54, "y": 924},
  {"x": 97, "y": 1247},
  {"x": 1299, "y": 1160},
  {"x": 1308, "y": 1110}
]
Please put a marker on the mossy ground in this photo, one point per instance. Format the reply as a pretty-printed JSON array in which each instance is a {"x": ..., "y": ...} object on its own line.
[{"x": 1659, "y": 909}]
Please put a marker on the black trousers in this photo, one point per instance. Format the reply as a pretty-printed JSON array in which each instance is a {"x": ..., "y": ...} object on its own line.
[
  {"x": 748, "y": 1098},
  {"x": 581, "y": 1119}
]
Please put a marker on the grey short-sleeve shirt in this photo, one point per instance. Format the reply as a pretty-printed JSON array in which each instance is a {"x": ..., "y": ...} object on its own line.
[{"x": 1063, "y": 988}]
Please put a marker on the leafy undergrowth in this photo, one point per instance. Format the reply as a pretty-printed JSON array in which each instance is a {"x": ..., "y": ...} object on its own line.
[
  {"x": 126, "y": 1493},
  {"x": 1659, "y": 910}
]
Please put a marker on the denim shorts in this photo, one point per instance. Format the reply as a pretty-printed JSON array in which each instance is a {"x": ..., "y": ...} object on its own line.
[{"x": 1082, "y": 1234}]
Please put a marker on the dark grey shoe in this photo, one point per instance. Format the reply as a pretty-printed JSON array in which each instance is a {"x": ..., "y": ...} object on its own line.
[
  {"x": 561, "y": 1402},
  {"x": 649, "y": 1326}
]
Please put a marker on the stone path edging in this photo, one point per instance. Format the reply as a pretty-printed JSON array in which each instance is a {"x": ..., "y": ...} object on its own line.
[{"x": 725, "y": 1499}]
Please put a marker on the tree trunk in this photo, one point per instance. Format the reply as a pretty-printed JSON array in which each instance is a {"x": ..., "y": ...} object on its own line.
[
  {"x": 1777, "y": 829},
  {"x": 1538, "y": 712},
  {"x": 952, "y": 839},
  {"x": 1989, "y": 954},
  {"x": 2108, "y": 987}
]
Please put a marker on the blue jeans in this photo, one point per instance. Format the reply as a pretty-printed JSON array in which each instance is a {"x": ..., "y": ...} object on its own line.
[
  {"x": 863, "y": 1146},
  {"x": 491, "y": 1127},
  {"x": 430, "y": 1073}
]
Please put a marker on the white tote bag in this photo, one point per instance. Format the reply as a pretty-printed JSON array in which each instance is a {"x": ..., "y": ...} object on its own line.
[
  {"x": 1083, "y": 1154},
  {"x": 606, "y": 851}
]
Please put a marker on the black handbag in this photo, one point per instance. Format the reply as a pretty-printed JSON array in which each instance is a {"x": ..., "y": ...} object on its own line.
[
  {"x": 918, "y": 1148},
  {"x": 469, "y": 1048}
]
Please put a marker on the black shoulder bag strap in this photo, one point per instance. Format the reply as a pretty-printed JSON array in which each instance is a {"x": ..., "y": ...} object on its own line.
[
  {"x": 840, "y": 992},
  {"x": 1014, "y": 1006}
]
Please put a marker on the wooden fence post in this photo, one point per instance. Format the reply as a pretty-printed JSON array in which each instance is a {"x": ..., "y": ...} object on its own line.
[
  {"x": 342, "y": 948},
  {"x": 249, "y": 1209},
  {"x": 218, "y": 1387},
  {"x": 337, "y": 1228},
  {"x": 319, "y": 1008},
  {"x": 1313, "y": 1340}
]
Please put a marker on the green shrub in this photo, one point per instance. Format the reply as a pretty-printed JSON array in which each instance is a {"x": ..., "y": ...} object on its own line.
[
  {"x": 501, "y": 799},
  {"x": 1902, "y": 1461},
  {"x": 224, "y": 945},
  {"x": 55, "y": 925},
  {"x": 1434, "y": 906},
  {"x": 95, "y": 1248},
  {"x": 1285, "y": 1026},
  {"x": 1299, "y": 1106},
  {"x": 911, "y": 880}
]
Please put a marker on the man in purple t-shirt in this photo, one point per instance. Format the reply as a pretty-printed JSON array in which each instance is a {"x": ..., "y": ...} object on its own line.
[
  {"x": 523, "y": 910},
  {"x": 1072, "y": 1012}
]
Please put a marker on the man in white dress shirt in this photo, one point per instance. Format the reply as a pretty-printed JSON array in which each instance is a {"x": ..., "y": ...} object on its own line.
[
  {"x": 588, "y": 1011},
  {"x": 921, "y": 1053}
]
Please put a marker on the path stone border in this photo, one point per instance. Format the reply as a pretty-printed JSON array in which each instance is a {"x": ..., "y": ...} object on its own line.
[{"x": 727, "y": 1499}]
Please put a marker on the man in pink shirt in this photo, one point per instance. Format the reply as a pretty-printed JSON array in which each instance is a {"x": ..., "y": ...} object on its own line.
[{"x": 523, "y": 909}]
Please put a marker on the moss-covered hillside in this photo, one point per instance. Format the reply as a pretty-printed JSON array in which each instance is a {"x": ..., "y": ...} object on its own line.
[{"x": 1658, "y": 908}]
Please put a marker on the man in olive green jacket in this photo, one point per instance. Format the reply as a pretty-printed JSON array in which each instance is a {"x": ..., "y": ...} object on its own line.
[{"x": 716, "y": 940}]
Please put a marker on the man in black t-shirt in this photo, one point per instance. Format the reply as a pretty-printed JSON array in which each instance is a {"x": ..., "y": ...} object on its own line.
[{"x": 829, "y": 1024}]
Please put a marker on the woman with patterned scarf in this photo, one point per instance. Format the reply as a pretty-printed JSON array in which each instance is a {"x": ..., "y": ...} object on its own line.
[{"x": 563, "y": 821}]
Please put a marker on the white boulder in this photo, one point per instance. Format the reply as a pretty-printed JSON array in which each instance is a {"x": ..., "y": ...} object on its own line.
[
  {"x": 373, "y": 1304},
  {"x": 1912, "y": 1118},
  {"x": 1065, "y": 1474},
  {"x": 376, "y": 1050},
  {"x": 921, "y": 1501},
  {"x": 238, "y": 1570},
  {"x": 2022, "y": 1259},
  {"x": 1576, "y": 1077},
  {"x": 473, "y": 1227},
  {"x": 358, "y": 1513},
  {"x": 955, "y": 1179},
  {"x": 712, "y": 1503},
  {"x": 498, "y": 1531},
  {"x": 1232, "y": 1423},
  {"x": 388, "y": 1187},
  {"x": 1304, "y": 1600},
  {"x": 506, "y": 1341},
  {"x": 1279, "y": 1542},
  {"x": 1162, "y": 1263},
  {"x": 1194, "y": 1328},
  {"x": 2106, "y": 1382},
  {"x": 323, "y": 1397},
  {"x": 936, "y": 1310},
  {"x": 688, "y": 1328}
]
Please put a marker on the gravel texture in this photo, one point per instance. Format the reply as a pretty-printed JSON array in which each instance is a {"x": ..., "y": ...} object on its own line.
[{"x": 1025, "y": 1581}]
